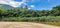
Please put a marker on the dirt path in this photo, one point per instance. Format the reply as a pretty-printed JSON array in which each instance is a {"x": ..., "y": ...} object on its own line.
[{"x": 24, "y": 25}]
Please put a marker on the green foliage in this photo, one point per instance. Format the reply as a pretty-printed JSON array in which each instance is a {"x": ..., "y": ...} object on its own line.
[
  {"x": 33, "y": 19},
  {"x": 30, "y": 15}
]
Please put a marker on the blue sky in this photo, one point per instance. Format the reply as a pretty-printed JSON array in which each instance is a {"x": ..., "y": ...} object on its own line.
[
  {"x": 41, "y": 4},
  {"x": 32, "y": 4}
]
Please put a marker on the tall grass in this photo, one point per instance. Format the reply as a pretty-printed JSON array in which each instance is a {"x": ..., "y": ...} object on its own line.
[
  {"x": 45, "y": 20},
  {"x": 33, "y": 19}
]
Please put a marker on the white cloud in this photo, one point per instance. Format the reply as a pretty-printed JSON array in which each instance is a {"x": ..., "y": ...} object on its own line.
[
  {"x": 24, "y": 0},
  {"x": 12, "y": 2},
  {"x": 32, "y": 6},
  {"x": 35, "y": 0},
  {"x": 29, "y": 8},
  {"x": 48, "y": 0}
]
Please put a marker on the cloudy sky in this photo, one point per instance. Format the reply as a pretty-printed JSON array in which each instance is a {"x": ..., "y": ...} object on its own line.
[{"x": 34, "y": 4}]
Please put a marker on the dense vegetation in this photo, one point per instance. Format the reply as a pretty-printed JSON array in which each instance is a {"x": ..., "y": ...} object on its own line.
[{"x": 25, "y": 14}]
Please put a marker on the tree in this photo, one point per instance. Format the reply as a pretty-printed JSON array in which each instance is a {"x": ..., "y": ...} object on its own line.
[{"x": 56, "y": 10}]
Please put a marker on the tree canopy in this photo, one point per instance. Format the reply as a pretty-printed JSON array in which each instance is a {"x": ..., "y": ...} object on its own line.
[{"x": 25, "y": 12}]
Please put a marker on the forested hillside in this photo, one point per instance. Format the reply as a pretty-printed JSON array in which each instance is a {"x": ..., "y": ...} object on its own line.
[{"x": 25, "y": 14}]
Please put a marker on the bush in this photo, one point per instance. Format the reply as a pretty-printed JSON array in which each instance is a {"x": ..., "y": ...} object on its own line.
[{"x": 33, "y": 19}]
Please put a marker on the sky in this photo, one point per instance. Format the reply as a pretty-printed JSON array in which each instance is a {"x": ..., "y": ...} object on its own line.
[{"x": 32, "y": 4}]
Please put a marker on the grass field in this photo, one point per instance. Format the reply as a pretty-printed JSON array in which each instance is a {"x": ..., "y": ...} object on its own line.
[{"x": 45, "y": 20}]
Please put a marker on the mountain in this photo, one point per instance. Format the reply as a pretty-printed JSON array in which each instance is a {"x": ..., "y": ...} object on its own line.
[
  {"x": 9, "y": 7},
  {"x": 6, "y": 6}
]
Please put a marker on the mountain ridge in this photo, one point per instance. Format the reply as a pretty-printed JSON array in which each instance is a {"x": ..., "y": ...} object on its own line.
[{"x": 6, "y": 6}]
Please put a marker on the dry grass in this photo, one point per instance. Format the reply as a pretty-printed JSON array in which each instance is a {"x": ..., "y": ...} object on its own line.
[{"x": 52, "y": 23}]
